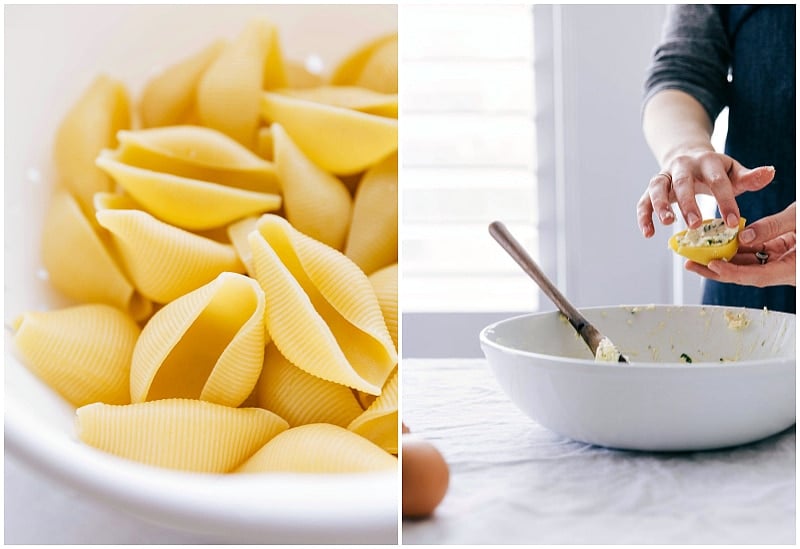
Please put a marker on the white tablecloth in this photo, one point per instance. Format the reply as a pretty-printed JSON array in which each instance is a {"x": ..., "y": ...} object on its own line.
[{"x": 512, "y": 481}]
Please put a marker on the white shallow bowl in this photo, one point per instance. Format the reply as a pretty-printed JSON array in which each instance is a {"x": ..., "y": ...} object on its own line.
[
  {"x": 658, "y": 402},
  {"x": 52, "y": 54}
]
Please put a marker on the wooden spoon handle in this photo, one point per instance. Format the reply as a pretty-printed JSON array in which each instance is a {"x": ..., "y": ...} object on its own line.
[{"x": 510, "y": 244}]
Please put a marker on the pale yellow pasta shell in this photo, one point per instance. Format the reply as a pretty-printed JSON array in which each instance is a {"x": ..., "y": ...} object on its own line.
[
  {"x": 348, "y": 97},
  {"x": 319, "y": 448},
  {"x": 378, "y": 423},
  {"x": 228, "y": 93},
  {"x": 169, "y": 97},
  {"x": 299, "y": 397},
  {"x": 237, "y": 234},
  {"x": 372, "y": 236},
  {"x": 316, "y": 203},
  {"x": 298, "y": 76},
  {"x": 197, "y": 153},
  {"x": 79, "y": 263},
  {"x": 83, "y": 353},
  {"x": 384, "y": 282},
  {"x": 264, "y": 143},
  {"x": 90, "y": 126},
  {"x": 184, "y": 202},
  {"x": 207, "y": 345},
  {"x": 163, "y": 261},
  {"x": 321, "y": 310},
  {"x": 338, "y": 140},
  {"x": 189, "y": 435},
  {"x": 373, "y": 66}
]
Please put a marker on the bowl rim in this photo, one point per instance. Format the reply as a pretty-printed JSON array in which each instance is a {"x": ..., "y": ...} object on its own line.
[{"x": 485, "y": 342}]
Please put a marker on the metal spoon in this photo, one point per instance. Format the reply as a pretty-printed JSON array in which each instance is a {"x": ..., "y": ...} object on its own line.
[{"x": 585, "y": 329}]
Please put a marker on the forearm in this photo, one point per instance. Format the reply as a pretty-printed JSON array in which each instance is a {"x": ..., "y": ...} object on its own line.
[{"x": 675, "y": 123}]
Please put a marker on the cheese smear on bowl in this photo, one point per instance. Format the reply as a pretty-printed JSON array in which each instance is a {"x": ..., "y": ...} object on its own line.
[{"x": 606, "y": 351}]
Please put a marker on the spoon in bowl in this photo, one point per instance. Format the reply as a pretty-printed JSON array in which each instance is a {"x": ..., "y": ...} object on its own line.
[{"x": 591, "y": 335}]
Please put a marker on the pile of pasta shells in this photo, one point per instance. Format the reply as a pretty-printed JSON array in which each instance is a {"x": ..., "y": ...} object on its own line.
[{"x": 229, "y": 242}]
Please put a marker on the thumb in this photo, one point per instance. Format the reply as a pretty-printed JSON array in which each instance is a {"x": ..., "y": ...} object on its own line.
[
  {"x": 770, "y": 227},
  {"x": 746, "y": 179}
]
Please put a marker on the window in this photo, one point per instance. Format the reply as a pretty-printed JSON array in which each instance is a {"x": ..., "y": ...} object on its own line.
[{"x": 468, "y": 156}]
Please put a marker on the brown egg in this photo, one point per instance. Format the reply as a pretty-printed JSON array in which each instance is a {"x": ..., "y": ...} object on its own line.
[{"x": 425, "y": 477}]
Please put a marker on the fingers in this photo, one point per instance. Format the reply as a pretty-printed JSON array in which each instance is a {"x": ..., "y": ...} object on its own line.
[
  {"x": 715, "y": 175},
  {"x": 745, "y": 179},
  {"x": 655, "y": 200},
  {"x": 683, "y": 185},
  {"x": 772, "y": 273},
  {"x": 770, "y": 227}
]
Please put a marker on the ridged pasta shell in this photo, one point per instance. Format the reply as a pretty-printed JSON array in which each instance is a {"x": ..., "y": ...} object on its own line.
[
  {"x": 321, "y": 310},
  {"x": 338, "y": 140},
  {"x": 207, "y": 345},
  {"x": 348, "y": 97},
  {"x": 372, "y": 236},
  {"x": 169, "y": 97},
  {"x": 378, "y": 423},
  {"x": 83, "y": 353},
  {"x": 228, "y": 93},
  {"x": 184, "y": 202},
  {"x": 372, "y": 66},
  {"x": 197, "y": 153},
  {"x": 299, "y": 397},
  {"x": 316, "y": 203},
  {"x": 238, "y": 233},
  {"x": 79, "y": 263},
  {"x": 319, "y": 448},
  {"x": 90, "y": 126},
  {"x": 163, "y": 261},
  {"x": 384, "y": 283},
  {"x": 188, "y": 435}
]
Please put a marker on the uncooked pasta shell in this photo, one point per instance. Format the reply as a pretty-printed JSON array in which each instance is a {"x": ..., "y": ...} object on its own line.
[
  {"x": 184, "y": 202},
  {"x": 316, "y": 203},
  {"x": 189, "y": 435},
  {"x": 384, "y": 282},
  {"x": 339, "y": 140},
  {"x": 298, "y": 76},
  {"x": 301, "y": 398},
  {"x": 197, "y": 153},
  {"x": 79, "y": 263},
  {"x": 378, "y": 423},
  {"x": 207, "y": 345},
  {"x": 373, "y": 66},
  {"x": 163, "y": 261},
  {"x": 348, "y": 97},
  {"x": 319, "y": 448},
  {"x": 228, "y": 93},
  {"x": 90, "y": 126},
  {"x": 82, "y": 352},
  {"x": 169, "y": 97},
  {"x": 372, "y": 236},
  {"x": 322, "y": 312}
]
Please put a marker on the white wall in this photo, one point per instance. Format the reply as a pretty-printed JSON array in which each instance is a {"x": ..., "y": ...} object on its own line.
[{"x": 593, "y": 166}]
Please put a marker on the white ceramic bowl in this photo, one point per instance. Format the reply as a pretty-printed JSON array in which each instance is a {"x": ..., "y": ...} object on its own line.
[
  {"x": 52, "y": 53},
  {"x": 658, "y": 402}
]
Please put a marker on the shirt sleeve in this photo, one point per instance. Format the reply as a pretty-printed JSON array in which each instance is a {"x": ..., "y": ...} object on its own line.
[{"x": 693, "y": 56}]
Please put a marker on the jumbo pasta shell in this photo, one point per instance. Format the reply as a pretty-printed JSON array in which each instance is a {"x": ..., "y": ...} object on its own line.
[
  {"x": 338, "y": 140},
  {"x": 169, "y": 97},
  {"x": 79, "y": 263},
  {"x": 228, "y": 93},
  {"x": 184, "y": 202},
  {"x": 197, "y": 153},
  {"x": 189, "y": 435},
  {"x": 378, "y": 423},
  {"x": 373, "y": 66},
  {"x": 321, "y": 310},
  {"x": 298, "y": 76},
  {"x": 348, "y": 97},
  {"x": 207, "y": 345},
  {"x": 299, "y": 397},
  {"x": 90, "y": 126},
  {"x": 316, "y": 203},
  {"x": 238, "y": 233},
  {"x": 82, "y": 352},
  {"x": 319, "y": 448},
  {"x": 372, "y": 236},
  {"x": 163, "y": 261},
  {"x": 384, "y": 283}
]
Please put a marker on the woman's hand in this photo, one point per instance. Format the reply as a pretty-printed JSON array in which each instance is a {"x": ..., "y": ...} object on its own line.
[
  {"x": 774, "y": 235},
  {"x": 688, "y": 174}
]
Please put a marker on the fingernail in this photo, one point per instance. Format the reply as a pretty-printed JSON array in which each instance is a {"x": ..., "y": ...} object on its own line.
[
  {"x": 732, "y": 220},
  {"x": 692, "y": 219},
  {"x": 667, "y": 216},
  {"x": 713, "y": 266},
  {"x": 747, "y": 235}
]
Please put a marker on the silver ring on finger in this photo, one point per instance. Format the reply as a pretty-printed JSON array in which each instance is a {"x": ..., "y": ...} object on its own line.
[{"x": 762, "y": 256}]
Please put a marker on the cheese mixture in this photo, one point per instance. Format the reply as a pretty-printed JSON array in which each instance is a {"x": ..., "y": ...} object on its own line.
[{"x": 713, "y": 233}]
